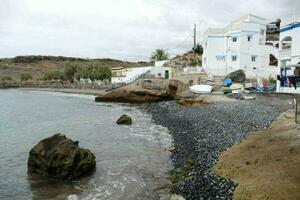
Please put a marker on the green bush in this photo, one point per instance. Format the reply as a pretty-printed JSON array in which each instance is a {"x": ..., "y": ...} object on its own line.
[
  {"x": 94, "y": 72},
  {"x": 54, "y": 75},
  {"x": 25, "y": 77},
  {"x": 272, "y": 80},
  {"x": 70, "y": 71}
]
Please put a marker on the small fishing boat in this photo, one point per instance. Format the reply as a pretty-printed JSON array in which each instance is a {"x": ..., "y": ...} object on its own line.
[{"x": 201, "y": 89}]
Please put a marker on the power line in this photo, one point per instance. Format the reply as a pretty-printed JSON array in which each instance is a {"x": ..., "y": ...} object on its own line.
[{"x": 181, "y": 43}]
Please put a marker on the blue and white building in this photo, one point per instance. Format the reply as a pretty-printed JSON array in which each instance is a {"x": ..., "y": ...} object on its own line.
[
  {"x": 289, "y": 56},
  {"x": 240, "y": 45}
]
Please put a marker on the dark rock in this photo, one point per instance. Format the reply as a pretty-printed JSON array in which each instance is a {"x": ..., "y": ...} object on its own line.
[
  {"x": 149, "y": 91},
  {"x": 124, "y": 120},
  {"x": 60, "y": 157},
  {"x": 238, "y": 76},
  {"x": 134, "y": 96}
]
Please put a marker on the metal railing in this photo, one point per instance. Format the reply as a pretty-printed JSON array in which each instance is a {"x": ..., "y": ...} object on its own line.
[{"x": 131, "y": 80}]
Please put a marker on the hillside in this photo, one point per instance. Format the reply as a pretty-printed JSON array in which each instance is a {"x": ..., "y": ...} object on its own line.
[
  {"x": 37, "y": 66},
  {"x": 184, "y": 60}
]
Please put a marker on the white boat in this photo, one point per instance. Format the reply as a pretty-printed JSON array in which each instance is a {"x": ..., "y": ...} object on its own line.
[{"x": 200, "y": 89}]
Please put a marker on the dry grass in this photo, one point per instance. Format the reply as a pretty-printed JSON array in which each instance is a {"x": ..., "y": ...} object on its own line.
[{"x": 39, "y": 69}]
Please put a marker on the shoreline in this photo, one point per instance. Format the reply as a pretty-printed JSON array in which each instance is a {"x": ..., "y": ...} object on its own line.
[
  {"x": 67, "y": 90},
  {"x": 193, "y": 158},
  {"x": 201, "y": 134}
]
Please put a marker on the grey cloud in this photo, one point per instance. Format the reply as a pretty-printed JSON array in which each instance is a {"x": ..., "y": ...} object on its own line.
[{"x": 127, "y": 29}]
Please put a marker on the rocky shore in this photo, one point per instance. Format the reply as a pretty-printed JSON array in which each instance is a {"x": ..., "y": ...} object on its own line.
[{"x": 202, "y": 133}]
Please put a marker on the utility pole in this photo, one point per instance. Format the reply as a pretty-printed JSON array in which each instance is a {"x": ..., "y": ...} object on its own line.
[
  {"x": 195, "y": 37},
  {"x": 195, "y": 34}
]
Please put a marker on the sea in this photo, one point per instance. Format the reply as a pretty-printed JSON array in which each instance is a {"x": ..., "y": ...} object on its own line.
[{"x": 132, "y": 162}]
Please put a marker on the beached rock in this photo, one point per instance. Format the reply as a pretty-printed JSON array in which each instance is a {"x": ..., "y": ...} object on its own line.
[
  {"x": 124, "y": 120},
  {"x": 60, "y": 157},
  {"x": 145, "y": 91},
  {"x": 238, "y": 76},
  {"x": 192, "y": 102},
  {"x": 134, "y": 96},
  {"x": 175, "y": 87}
]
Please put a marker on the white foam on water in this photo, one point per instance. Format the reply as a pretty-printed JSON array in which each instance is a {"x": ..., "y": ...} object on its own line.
[
  {"x": 131, "y": 177},
  {"x": 72, "y": 197},
  {"x": 63, "y": 94}
]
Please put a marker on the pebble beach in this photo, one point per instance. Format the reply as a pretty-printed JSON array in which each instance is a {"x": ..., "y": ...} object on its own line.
[{"x": 201, "y": 134}]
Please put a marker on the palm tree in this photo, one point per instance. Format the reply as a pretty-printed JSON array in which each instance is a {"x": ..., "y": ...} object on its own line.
[{"x": 159, "y": 54}]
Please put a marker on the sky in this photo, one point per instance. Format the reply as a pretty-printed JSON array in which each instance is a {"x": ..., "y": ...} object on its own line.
[{"x": 120, "y": 29}]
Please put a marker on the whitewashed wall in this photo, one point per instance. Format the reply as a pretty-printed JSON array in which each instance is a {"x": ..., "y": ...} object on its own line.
[
  {"x": 131, "y": 73},
  {"x": 217, "y": 45},
  {"x": 161, "y": 71}
]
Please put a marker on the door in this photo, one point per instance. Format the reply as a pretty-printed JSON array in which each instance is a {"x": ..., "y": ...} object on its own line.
[{"x": 167, "y": 74}]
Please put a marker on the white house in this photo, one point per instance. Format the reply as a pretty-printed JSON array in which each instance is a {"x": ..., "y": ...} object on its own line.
[
  {"x": 289, "y": 56},
  {"x": 240, "y": 45},
  {"x": 127, "y": 75},
  {"x": 159, "y": 71}
]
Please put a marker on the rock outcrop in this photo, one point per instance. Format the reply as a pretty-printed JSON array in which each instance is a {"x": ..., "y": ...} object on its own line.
[
  {"x": 60, "y": 157},
  {"x": 238, "y": 76},
  {"x": 134, "y": 96},
  {"x": 124, "y": 120},
  {"x": 147, "y": 91}
]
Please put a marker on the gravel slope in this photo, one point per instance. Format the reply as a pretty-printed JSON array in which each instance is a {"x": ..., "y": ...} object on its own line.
[{"x": 202, "y": 133}]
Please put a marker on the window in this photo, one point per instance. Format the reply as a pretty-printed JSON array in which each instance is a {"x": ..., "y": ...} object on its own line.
[
  {"x": 249, "y": 38},
  {"x": 234, "y": 58},
  {"x": 234, "y": 39},
  {"x": 253, "y": 58},
  {"x": 220, "y": 58}
]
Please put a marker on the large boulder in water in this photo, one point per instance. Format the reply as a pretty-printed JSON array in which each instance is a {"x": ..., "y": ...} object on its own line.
[
  {"x": 238, "y": 76},
  {"x": 60, "y": 157},
  {"x": 124, "y": 120}
]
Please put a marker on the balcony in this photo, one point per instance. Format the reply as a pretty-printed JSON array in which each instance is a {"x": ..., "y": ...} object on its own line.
[{"x": 285, "y": 54}]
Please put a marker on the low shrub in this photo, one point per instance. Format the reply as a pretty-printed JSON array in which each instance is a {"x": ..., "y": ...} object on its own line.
[{"x": 25, "y": 77}]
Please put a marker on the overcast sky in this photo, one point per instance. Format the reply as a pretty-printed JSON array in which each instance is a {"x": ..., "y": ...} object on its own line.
[{"x": 120, "y": 29}]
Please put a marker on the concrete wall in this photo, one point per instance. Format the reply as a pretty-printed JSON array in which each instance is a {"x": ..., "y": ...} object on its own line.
[
  {"x": 160, "y": 63},
  {"x": 159, "y": 72}
]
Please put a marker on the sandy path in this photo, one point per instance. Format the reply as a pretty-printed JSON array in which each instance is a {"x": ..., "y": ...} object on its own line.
[{"x": 267, "y": 164}]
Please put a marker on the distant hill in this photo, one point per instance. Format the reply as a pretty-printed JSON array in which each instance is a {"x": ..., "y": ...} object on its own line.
[{"x": 37, "y": 66}]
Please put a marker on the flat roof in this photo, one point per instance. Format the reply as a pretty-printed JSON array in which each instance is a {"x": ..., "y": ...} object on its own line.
[{"x": 117, "y": 68}]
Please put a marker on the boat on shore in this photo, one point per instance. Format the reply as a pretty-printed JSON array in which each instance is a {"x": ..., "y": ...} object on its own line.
[{"x": 201, "y": 89}]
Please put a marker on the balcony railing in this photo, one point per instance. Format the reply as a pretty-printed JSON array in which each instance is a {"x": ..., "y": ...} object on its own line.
[{"x": 285, "y": 54}]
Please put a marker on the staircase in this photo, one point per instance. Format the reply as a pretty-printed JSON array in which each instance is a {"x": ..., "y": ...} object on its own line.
[{"x": 140, "y": 76}]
